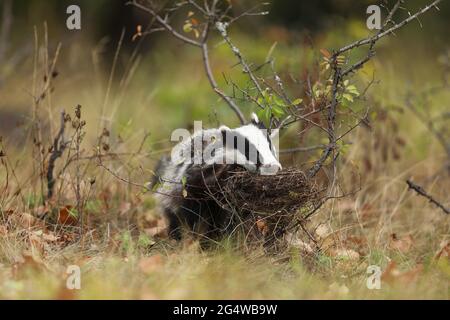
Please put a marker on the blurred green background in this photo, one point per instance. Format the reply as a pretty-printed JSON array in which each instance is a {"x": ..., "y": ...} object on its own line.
[{"x": 164, "y": 85}]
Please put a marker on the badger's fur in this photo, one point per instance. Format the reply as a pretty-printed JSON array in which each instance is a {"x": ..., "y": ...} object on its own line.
[{"x": 181, "y": 182}]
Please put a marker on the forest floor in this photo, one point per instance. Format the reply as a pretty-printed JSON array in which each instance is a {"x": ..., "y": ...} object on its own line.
[{"x": 382, "y": 229}]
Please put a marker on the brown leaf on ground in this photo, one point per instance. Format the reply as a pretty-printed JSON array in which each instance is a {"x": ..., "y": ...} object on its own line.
[
  {"x": 66, "y": 217},
  {"x": 367, "y": 212},
  {"x": 125, "y": 207},
  {"x": 149, "y": 265},
  {"x": 262, "y": 226},
  {"x": 157, "y": 229},
  {"x": 392, "y": 274},
  {"x": 3, "y": 231},
  {"x": 444, "y": 250},
  {"x": 403, "y": 244}
]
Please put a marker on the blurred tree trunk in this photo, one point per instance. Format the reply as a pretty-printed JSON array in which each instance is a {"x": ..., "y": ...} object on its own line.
[{"x": 7, "y": 19}]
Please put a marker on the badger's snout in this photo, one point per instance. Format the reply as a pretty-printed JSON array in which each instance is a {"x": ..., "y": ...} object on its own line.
[{"x": 270, "y": 169}]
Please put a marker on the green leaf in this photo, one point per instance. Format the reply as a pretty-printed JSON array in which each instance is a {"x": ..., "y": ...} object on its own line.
[
  {"x": 187, "y": 27},
  {"x": 279, "y": 102},
  {"x": 353, "y": 90},
  {"x": 297, "y": 101},
  {"x": 183, "y": 182},
  {"x": 348, "y": 97},
  {"x": 277, "y": 111}
]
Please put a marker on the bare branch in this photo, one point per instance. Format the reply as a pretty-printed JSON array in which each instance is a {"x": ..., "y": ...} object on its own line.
[
  {"x": 423, "y": 193},
  {"x": 203, "y": 45},
  {"x": 378, "y": 36},
  {"x": 59, "y": 145},
  {"x": 338, "y": 76},
  {"x": 222, "y": 27},
  {"x": 212, "y": 80},
  {"x": 164, "y": 24},
  {"x": 303, "y": 149}
]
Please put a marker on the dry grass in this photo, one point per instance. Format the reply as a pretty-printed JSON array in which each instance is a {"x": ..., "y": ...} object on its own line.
[{"x": 121, "y": 246}]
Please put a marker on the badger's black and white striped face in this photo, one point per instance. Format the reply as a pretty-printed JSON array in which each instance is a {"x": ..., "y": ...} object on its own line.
[{"x": 252, "y": 147}]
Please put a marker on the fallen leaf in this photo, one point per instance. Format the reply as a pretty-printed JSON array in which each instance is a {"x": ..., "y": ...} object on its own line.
[
  {"x": 444, "y": 250},
  {"x": 367, "y": 212},
  {"x": 3, "y": 231},
  {"x": 403, "y": 244},
  {"x": 66, "y": 217},
  {"x": 392, "y": 274},
  {"x": 125, "y": 207},
  {"x": 156, "y": 228},
  {"x": 262, "y": 226}
]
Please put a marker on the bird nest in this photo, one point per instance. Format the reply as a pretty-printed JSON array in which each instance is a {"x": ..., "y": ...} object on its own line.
[
  {"x": 263, "y": 206},
  {"x": 288, "y": 191}
]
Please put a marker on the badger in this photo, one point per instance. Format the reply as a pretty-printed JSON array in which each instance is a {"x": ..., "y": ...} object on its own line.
[{"x": 181, "y": 182}]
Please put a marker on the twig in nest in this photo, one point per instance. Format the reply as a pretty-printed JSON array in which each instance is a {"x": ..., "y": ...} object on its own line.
[
  {"x": 263, "y": 207},
  {"x": 423, "y": 193}
]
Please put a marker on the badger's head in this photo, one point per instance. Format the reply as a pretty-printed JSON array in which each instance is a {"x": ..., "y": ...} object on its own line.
[{"x": 252, "y": 147}]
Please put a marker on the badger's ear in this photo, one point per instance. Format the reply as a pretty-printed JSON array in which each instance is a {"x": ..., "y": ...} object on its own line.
[{"x": 255, "y": 119}]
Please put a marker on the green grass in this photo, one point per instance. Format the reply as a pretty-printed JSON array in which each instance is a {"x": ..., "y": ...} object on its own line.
[{"x": 121, "y": 259}]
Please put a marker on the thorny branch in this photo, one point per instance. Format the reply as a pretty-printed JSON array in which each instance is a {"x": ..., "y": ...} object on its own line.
[
  {"x": 203, "y": 45},
  {"x": 391, "y": 30},
  {"x": 423, "y": 193},
  {"x": 340, "y": 70},
  {"x": 339, "y": 75}
]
